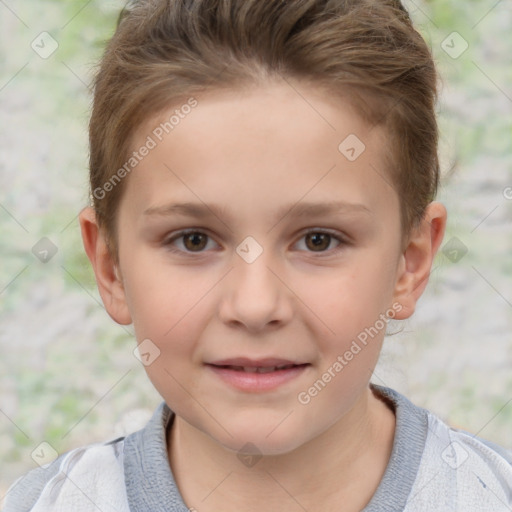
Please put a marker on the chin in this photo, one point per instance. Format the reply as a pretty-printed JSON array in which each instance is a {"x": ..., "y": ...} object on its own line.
[{"x": 254, "y": 439}]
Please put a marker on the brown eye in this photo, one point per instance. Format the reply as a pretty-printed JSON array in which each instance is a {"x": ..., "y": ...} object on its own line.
[
  {"x": 195, "y": 241},
  {"x": 189, "y": 242},
  {"x": 318, "y": 241}
]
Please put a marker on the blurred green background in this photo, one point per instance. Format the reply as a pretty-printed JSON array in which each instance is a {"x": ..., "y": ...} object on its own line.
[{"x": 68, "y": 375}]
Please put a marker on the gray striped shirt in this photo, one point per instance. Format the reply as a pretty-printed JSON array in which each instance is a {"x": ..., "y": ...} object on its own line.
[{"x": 432, "y": 468}]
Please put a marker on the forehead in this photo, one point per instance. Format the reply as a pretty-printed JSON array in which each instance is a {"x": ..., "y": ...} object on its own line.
[{"x": 261, "y": 146}]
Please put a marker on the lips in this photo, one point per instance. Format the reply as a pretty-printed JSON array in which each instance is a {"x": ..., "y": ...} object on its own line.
[
  {"x": 257, "y": 375},
  {"x": 258, "y": 369},
  {"x": 269, "y": 364}
]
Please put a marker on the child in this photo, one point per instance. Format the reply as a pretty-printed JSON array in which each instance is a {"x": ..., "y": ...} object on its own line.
[{"x": 263, "y": 176}]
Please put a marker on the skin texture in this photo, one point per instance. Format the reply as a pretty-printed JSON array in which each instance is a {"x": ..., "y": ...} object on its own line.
[{"x": 255, "y": 153}]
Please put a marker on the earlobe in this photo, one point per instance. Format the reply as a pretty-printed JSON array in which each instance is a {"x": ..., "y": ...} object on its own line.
[
  {"x": 416, "y": 261},
  {"x": 109, "y": 281}
]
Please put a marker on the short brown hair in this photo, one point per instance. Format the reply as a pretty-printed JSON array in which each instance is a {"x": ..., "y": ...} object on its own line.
[{"x": 164, "y": 51}]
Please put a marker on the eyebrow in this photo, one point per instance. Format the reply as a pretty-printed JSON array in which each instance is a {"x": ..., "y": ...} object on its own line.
[{"x": 203, "y": 210}]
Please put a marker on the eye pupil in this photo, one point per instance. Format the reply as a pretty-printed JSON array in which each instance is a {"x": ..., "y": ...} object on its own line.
[
  {"x": 319, "y": 240},
  {"x": 197, "y": 241}
]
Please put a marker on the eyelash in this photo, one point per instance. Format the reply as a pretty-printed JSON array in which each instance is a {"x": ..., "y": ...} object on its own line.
[{"x": 168, "y": 242}]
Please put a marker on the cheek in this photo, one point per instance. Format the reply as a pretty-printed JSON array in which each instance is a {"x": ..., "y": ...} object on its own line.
[
  {"x": 349, "y": 308},
  {"x": 375, "y": 275},
  {"x": 173, "y": 321},
  {"x": 170, "y": 305},
  {"x": 162, "y": 298},
  {"x": 354, "y": 294},
  {"x": 175, "y": 328}
]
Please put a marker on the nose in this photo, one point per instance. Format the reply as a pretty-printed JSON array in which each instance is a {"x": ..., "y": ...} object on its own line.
[{"x": 255, "y": 295}]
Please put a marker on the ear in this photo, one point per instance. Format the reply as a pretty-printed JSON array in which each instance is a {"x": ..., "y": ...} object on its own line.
[
  {"x": 416, "y": 261},
  {"x": 107, "y": 274}
]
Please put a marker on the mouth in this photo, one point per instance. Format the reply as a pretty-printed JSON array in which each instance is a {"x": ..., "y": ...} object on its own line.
[
  {"x": 259, "y": 369},
  {"x": 257, "y": 375}
]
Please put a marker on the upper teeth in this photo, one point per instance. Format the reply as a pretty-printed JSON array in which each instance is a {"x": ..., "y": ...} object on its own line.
[{"x": 259, "y": 369}]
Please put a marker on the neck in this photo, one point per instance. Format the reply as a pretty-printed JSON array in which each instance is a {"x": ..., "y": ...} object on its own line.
[{"x": 344, "y": 464}]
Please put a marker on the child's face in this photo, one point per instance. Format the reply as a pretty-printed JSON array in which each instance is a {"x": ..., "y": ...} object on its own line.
[{"x": 250, "y": 162}]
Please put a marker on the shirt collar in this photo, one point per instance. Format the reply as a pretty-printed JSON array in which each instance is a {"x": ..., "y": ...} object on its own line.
[{"x": 150, "y": 484}]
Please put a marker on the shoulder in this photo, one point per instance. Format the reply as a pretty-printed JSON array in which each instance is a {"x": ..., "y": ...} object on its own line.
[
  {"x": 436, "y": 467},
  {"x": 78, "y": 478},
  {"x": 458, "y": 447},
  {"x": 463, "y": 470}
]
